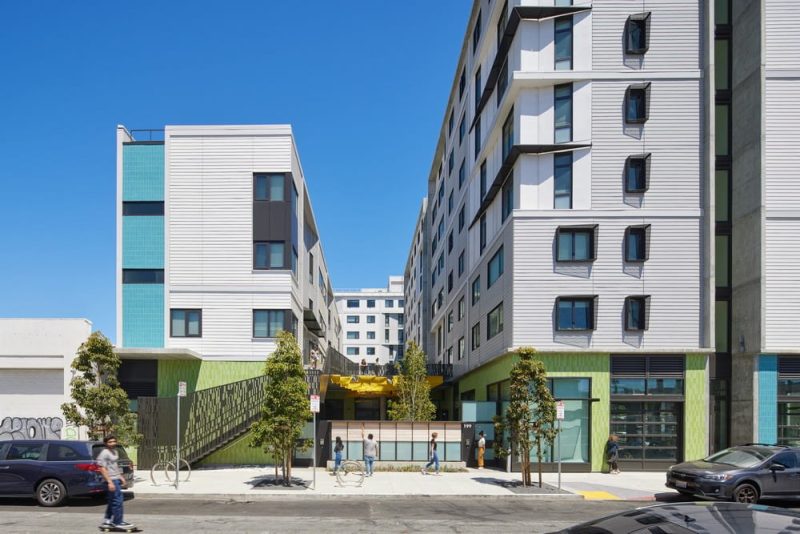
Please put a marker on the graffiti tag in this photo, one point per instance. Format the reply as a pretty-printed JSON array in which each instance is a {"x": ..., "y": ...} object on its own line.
[{"x": 31, "y": 428}]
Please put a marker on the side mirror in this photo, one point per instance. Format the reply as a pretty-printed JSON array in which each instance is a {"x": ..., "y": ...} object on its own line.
[{"x": 777, "y": 467}]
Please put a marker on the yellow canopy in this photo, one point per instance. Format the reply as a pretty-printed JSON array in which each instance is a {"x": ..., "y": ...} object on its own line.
[{"x": 375, "y": 385}]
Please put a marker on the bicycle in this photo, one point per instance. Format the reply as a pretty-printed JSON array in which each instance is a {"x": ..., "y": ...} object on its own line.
[
  {"x": 350, "y": 471},
  {"x": 168, "y": 468}
]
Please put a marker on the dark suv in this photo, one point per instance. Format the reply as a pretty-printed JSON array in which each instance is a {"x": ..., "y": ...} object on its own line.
[
  {"x": 745, "y": 474},
  {"x": 53, "y": 470}
]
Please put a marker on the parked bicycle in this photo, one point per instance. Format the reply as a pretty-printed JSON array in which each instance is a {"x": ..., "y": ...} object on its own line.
[{"x": 350, "y": 472}]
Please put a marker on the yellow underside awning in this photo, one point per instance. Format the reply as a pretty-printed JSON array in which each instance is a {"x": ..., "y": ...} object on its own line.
[{"x": 375, "y": 385}]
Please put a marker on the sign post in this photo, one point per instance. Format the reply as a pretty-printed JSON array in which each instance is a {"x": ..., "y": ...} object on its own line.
[
  {"x": 181, "y": 393},
  {"x": 315, "y": 411},
  {"x": 559, "y": 418}
]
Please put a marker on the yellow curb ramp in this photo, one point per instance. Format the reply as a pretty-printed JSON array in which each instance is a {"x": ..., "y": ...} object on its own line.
[{"x": 598, "y": 496}]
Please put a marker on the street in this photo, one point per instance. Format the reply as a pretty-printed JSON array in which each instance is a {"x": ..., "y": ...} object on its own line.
[{"x": 303, "y": 514}]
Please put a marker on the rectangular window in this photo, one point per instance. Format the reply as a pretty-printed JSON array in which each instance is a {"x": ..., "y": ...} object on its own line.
[
  {"x": 477, "y": 138},
  {"x": 143, "y": 209},
  {"x": 636, "y": 33},
  {"x": 462, "y": 129},
  {"x": 562, "y": 173},
  {"x": 636, "y": 171},
  {"x": 507, "y": 197},
  {"x": 636, "y": 103},
  {"x": 722, "y": 194},
  {"x": 562, "y": 109},
  {"x": 462, "y": 83},
  {"x": 371, "y": 351},
  {"x": 722, "y": 80},
  {"x": 450, "y": 123},
  {"x": 310, "y": 268},
  {"x": 495, "y": 268},
  {"x": 636, "y": 245},
  {"x": 269, "y": 187},
  {"x": 722, "y": 129},
  {"x": 352, "y": 351},
  {"x": 502, "y": 20},
  {"x": 460, "y": 308},
  {"x": 483, "y": 180},
  {"x": 269, "y": 255},
  {"x": 142, "y": 276},
  {"x": 461, "y": 219},
  {"x": 575, "y": 313},
  {"x": 477, "y": 88},
  {"x": 476, "y": 335},
  {"x": 353, "y": 319},
  {"x": 267, "y": 323},
  {"x": 185, "y": 323},
  {"x": 722, "y": 244},
  {"x": 494, "y": 321},
  {"x": 451, "y": 162},
  {"x": 353, "y": 303},
  {"x": 386, "y": 320},
  {"x": 450, "y": 282},
  {"x": 636, "y": 312},
  {"x": 389, "y": 303},
  {"x": 508, "y": 135},
  {"x": 483, "y": 232},
  {"x": 502, "y": 82},
  {"x": 353, "y": 335},
  {"x": 401, "y": 303},
  {"x": 370, "y": 303},
  {"x": 450, "y": 242},
  {"x": 370, "y": 319},
  {"x": 575, "y": 244},
  {"x": 476, "y": 33},
  {"x": 386, "y": 336},
  {"x": 476, "y": 290},
  {"x": 460, "y": 348},
  {"x": 449, "y": 357},
  {"x": 449, "y": 321},
  {"x": 461, "y": 263},
  {"x": 450, "y": 203},
  {"x": 563, "y": 43},
  {"x": 462, "y": 174}
]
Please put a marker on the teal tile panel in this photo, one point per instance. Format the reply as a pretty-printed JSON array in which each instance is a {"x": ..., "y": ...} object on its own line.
[
  {"x": 142, "y": 172},
  {"x": 768, "y": 398},
  {"x": 142, "y": 242},
  {"x": 143, "y": 315}
]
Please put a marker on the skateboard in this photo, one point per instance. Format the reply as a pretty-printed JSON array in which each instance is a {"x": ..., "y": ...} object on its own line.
[{"x": 109, "y": 528}]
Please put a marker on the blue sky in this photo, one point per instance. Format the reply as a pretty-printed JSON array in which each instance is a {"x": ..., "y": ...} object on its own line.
[{"x": 363, "y": 83}]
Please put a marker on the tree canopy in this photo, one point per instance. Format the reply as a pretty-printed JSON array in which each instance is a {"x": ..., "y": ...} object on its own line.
[{"x": 413, "y": 391}]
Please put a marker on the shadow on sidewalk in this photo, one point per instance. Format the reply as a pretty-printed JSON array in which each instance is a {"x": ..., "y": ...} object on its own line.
[
  {"x": 271, "y": 482},
  {"x": 516, "y": 486}
]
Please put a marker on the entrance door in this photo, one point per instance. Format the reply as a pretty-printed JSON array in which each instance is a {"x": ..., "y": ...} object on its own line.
[{"x": 649, "y": 433}]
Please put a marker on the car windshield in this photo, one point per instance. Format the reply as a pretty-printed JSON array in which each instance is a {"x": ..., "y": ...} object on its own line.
[{"x": 748, "y": 457}]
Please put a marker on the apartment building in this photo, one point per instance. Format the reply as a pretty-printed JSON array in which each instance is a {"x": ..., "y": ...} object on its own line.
[
  {"x": 570, "y": 209},
  {"x": 417, "y": 273},
  {"x": 217, "y": 250},
  {"x": 373, "y": 322},
  {"x": 757, "y": 149}
]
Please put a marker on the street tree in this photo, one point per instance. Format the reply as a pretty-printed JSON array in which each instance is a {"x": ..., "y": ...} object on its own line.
[
  {"x": 100, "y": 404},
  {"x": 531, "y": 414},
  {"x": 286, "y": 407},
  {"x": 412, "y": 400}
]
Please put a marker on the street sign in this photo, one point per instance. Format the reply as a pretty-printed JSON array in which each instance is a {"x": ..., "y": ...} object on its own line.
[
  {"x": 181, "y": 389},
  {"x": 315, "y": 403},
  {"x": 560, "y": 410}
]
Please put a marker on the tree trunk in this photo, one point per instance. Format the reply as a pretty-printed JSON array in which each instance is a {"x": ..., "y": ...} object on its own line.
[{"x": 539, "y": 458}]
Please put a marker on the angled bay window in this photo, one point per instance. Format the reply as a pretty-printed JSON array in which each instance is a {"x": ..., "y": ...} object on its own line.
[
  {"x": 508, "y": 134},
  {"x": 483, "y": 233},
  {"x": 562, "y": 187},
  {"x": 476, "y": 290},
  {"x": 269, "y": 187},
  {"x": 494, "y": 321},
  {"x": 575, "y": 313},
  {"x": 461, "y": 219},
  {"x": 461, "y": 263},
  {"x": 462, "y": 83},
  {"x": 507, "y": 197},
  {"x": 476, "y": 33},
  {"x": 451, "y": 162},
  {"x": 483, "y": 180},
  {"x": 562, "y": 107},
  {"x": 462, "y": 174},
  {"x": 476, "y": 335},
  {"x": 637, "y": 172},
  {"x": 576, "y": 243},
  {"x": 462, "y": 129},
  {"x": 637, "y": 33},
  {"x": 269, "y": 255},
  {"x": 637, "y": 240},
  {"x": 502, "y": 82},
  {"x": 563, "y": 43},
  {"x": 267, "y": 323},
  {"x": 450, "y": 123},
  {"x": 637, "y": 103},
  {"x": 185, "y": 323},
  {"x": 637, "y": 313},
  {"x": 477, "y": 137},
  {"x": 477, "y": 88},
  {"x": 494, "y": 269}
]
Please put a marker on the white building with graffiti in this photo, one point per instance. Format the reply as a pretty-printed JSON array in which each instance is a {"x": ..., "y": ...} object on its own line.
[{"x": 35, "y": 359}]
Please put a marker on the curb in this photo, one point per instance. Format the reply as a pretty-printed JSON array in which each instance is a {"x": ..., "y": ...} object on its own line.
[{"x": 248, "y": 497}]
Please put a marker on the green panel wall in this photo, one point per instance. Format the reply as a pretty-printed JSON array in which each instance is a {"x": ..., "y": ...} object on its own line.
[
  {"x": 585, "y": 365},
  {"x": 237, "y": 452},
  {"x": 202, "y": 374},
  {"x": 695, "y": 417}
]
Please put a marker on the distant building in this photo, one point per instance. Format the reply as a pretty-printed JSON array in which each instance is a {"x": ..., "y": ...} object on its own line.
[{"x": 373, "y": 322}]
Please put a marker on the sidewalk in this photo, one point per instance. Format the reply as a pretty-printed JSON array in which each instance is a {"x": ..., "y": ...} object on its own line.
[{"x": 240, "y": 484}]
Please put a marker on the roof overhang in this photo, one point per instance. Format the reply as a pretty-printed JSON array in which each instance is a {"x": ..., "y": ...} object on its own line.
[{"x": 126, "y": 353}]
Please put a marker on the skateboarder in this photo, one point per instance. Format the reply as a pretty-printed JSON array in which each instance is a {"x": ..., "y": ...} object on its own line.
[{"x": 108, "y": 459}]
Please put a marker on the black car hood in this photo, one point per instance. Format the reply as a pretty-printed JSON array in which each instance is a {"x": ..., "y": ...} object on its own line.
[{"x": 701, "y": 466}]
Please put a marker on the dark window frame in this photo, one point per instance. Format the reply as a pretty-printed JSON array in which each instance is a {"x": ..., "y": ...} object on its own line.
[
  {"x": 560, "y": 32},
  {"x": 639, "y": 90},
  {"x": 592, "y": 230},
  {"x": 560, "y": 100},
  {"x": 142, "y": 276},
  {"x": 558, "y": 164},
  {"x": 499, "y": 256},
  {"x": 475, "y": 287},
  {"x": 141, "y": 208},
  {"x": 269, "y": 310},
  {"x": 643, "y": 252},
  {"x": 186, "y": 312},
  {"x": 640, "y": 162},
  {"x": 268, "y": 176},
  {"x": 642, "y": 322},
  {"x": 268, "y": 267},
  {"x": 640, "y": 21},
  {"x": 501, "y": 323},
  {"x": 591, "y": 299}
]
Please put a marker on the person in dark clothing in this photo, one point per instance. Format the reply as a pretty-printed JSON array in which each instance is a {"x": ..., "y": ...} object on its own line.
[
  {"x": 432, "y": 454},
  {"x": 338, "y": 447},
  {"x": 612, "y": 454}
]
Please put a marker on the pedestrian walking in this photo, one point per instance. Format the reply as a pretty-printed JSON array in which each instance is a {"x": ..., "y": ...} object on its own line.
[
  {"x": 432, "y": 454},
  {"x": 108, "y": 460},
  {"x": 481, "y": 448},
  {"x": 612, "y": 454},
  {"x": 338, "y": 447},
  {"x": 370, "y": 451},
  {"x": 362, "y": 367}
]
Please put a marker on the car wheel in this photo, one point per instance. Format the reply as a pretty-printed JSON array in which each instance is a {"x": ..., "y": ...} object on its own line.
[
  {"x": 745, "y": 493},
  {"x": 51, "y": 492}
]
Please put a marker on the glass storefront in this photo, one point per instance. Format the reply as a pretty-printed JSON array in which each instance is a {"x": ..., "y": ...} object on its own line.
[
  {"x": 647, "y": 430},
  {"x": 789, "y": 423}
]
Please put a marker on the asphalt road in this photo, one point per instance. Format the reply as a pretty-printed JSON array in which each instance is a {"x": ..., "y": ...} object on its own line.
[{"x": 317, "y": 515}]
